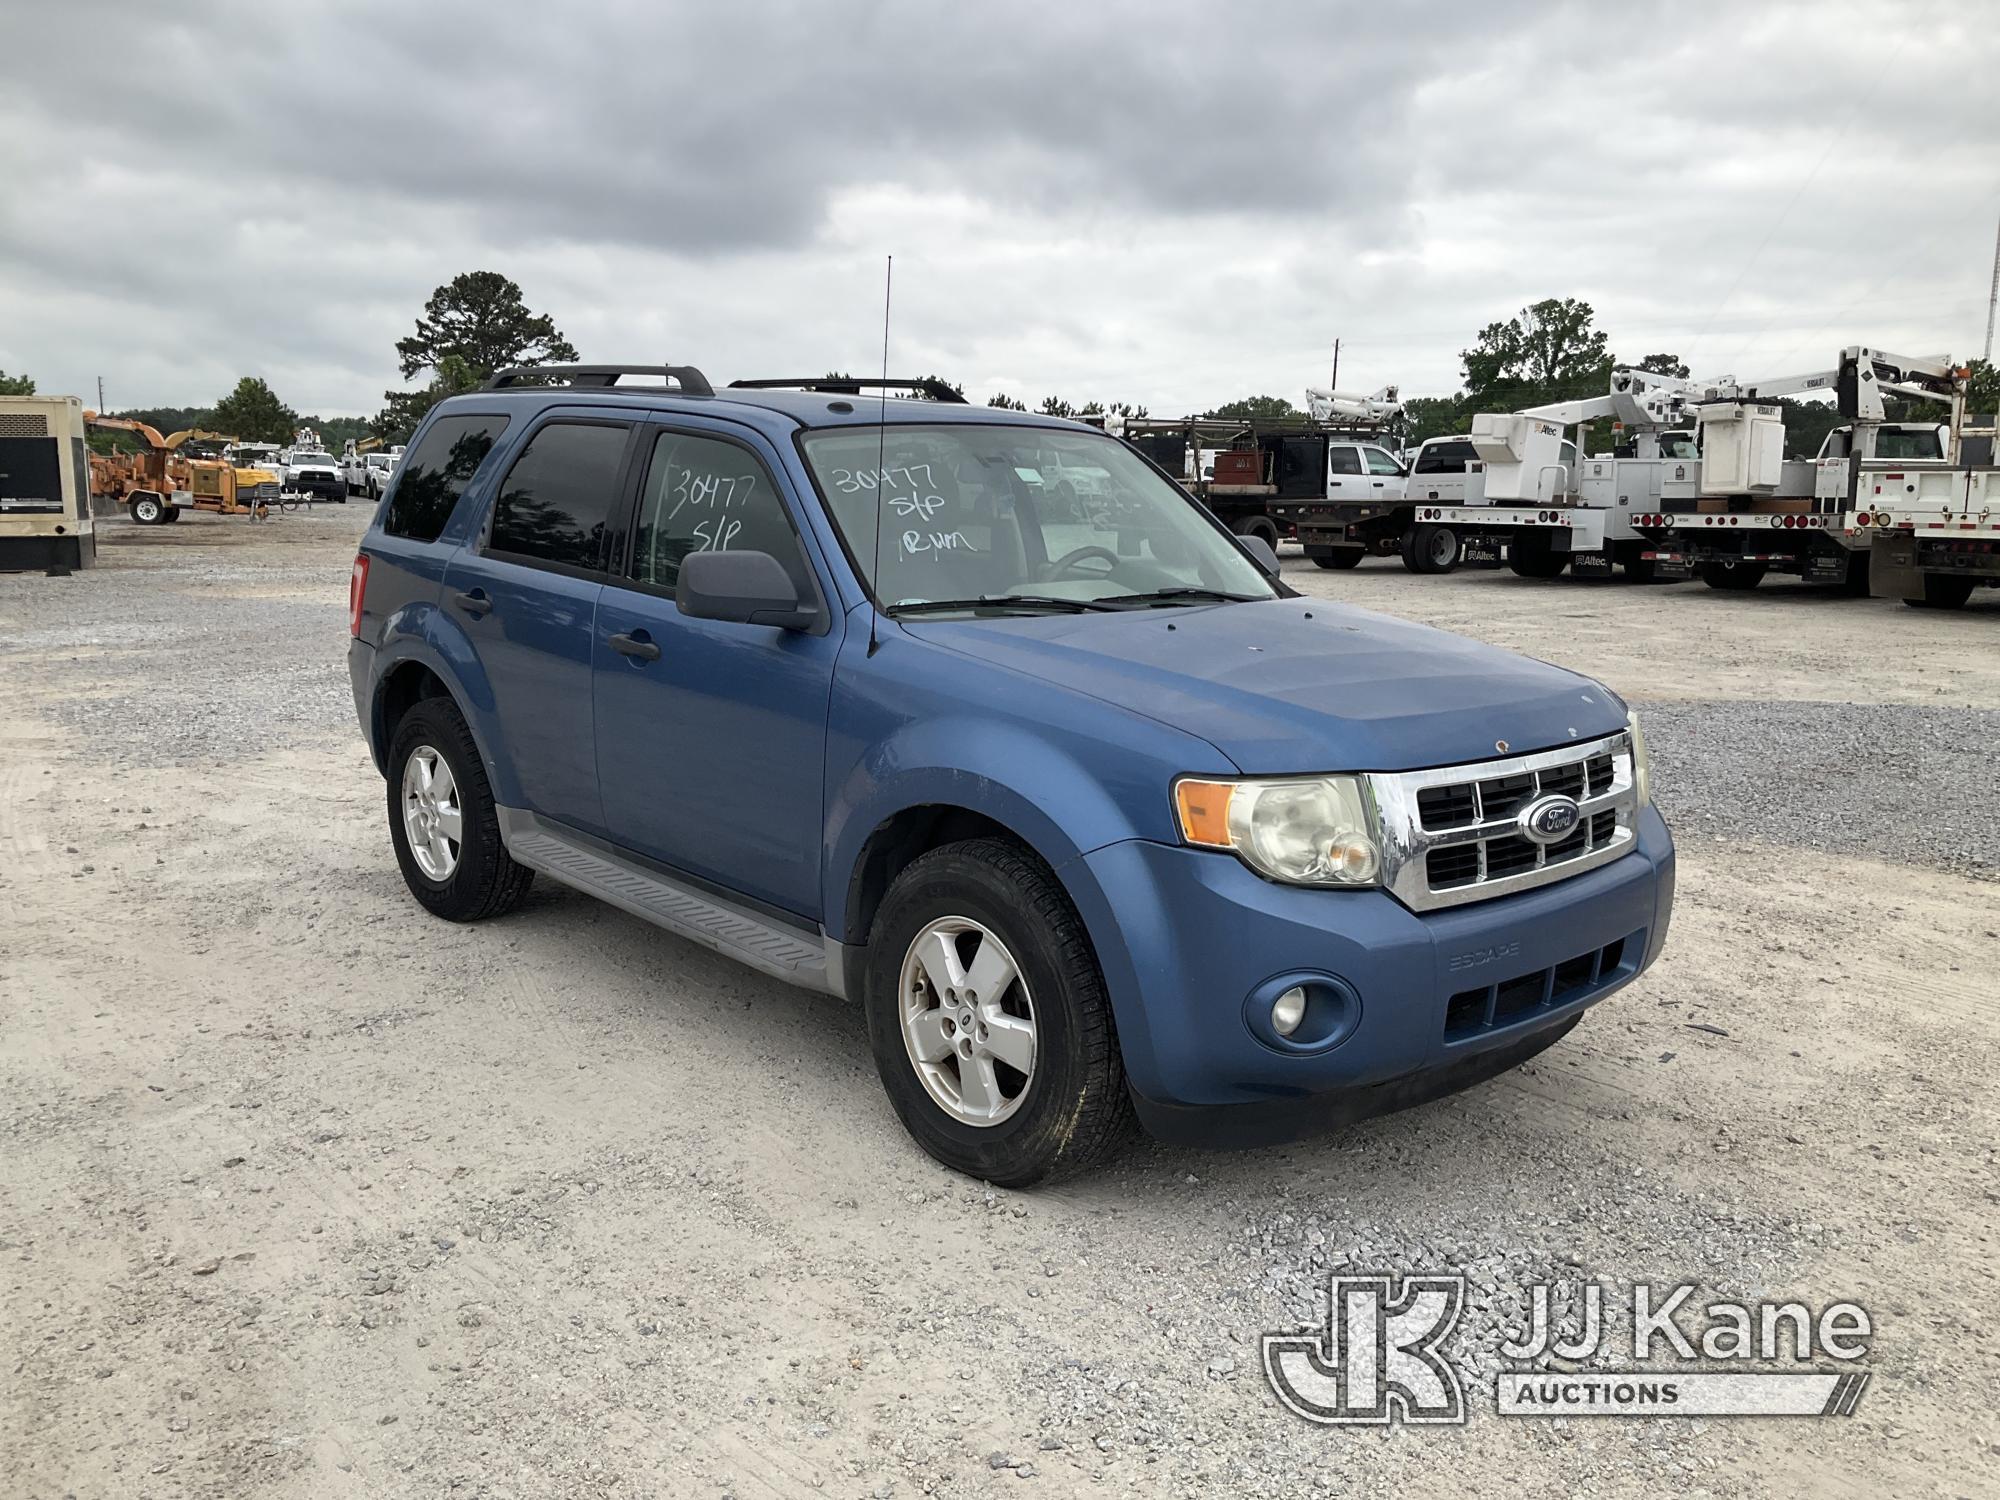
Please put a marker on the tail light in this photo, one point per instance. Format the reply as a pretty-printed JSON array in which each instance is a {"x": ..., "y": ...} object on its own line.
[{"x": 357, "y": 593}]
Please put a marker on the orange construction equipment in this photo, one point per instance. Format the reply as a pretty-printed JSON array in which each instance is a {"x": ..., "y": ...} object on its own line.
[{"x": 156, "y": 485}]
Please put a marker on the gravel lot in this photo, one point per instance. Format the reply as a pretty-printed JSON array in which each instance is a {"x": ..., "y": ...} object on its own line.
[{"x": 306, "y": 1194}]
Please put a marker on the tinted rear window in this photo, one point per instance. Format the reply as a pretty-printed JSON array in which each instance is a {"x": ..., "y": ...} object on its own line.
[
  {"x": 1445, "y": 458},
  {"x": 556, "y": 500},
  {"x": 436, "y": 473}
]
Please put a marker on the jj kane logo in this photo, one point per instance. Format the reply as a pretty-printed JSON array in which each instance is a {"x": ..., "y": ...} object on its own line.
[{"x": 1379, "y": 1359}]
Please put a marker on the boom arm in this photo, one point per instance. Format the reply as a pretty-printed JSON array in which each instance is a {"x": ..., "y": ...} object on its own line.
[{"x": 1859, "y": 382}]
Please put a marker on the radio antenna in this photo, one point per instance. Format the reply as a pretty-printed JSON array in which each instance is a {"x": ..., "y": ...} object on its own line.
[{"x": 881, "y": 453}]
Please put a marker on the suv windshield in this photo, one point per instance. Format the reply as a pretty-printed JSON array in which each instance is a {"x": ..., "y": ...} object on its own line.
[{"x": 988, "y": 510}]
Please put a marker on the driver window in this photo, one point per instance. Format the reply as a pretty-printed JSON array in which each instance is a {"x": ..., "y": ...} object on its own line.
[
  {"x": 1380, "y": 462},
  {"x": 706, "y": 495}
]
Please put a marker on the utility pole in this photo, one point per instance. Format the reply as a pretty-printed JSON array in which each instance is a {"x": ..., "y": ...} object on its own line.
[
  {"x": 100, "y": 379},
  {"x": 1333, "y": 381},
  {"x": 1992, "y": 299}
]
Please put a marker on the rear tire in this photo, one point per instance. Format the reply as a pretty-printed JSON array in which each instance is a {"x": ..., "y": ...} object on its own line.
[
  {"x": 1942, "y": 592},
  {"x": 1262, "y": 526},
  {"x": 476, "y": 878},
  {"x": 1069, "y": 1108},
  {"x": 1732, "y": 574},
  {"x": 1431, "y": 549},
  {"x": 1339, "y": 558},
  {"x": 1531, "y": 555},
  {"x": 148, "y": 509}
]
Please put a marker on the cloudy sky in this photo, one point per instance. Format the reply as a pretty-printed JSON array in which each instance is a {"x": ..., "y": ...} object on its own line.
[{"x": 1154, "y": 202}]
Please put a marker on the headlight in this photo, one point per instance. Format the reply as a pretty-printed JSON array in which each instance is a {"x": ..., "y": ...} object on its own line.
[
  {"x": 1316, "y": 831},
  {"x": 1642, "y": 764}
]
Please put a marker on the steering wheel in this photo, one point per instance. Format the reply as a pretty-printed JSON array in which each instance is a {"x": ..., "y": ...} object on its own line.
[{"x": 1069, "y": 560}]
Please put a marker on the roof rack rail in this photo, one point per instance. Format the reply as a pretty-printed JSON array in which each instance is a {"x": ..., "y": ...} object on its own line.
[
  {"x": 843, "y": 385},
  {"x": 691, "y": 381}
]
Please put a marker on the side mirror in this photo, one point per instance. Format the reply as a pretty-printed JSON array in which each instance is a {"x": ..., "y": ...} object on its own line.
[
  {"x": 746, "y": 588},
  {"x": 1265, "y": 554}
]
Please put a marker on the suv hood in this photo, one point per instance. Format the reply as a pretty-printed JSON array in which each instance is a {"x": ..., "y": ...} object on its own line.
[{"x": 1300, "y": 685}]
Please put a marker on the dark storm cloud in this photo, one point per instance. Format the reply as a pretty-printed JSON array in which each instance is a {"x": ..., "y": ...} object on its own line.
[{"x": 1159, "y": 202}]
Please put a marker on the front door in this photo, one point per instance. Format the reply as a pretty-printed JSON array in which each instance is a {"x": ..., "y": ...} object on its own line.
[{"x": 711, "y": 736}]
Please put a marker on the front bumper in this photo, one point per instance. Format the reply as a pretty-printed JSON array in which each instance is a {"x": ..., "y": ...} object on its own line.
[
  {"x": 330, "y": 485},
  {"x": 1437, "y": 1001}
]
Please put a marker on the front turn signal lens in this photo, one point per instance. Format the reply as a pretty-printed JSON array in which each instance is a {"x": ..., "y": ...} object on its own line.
[{"x": 1204, "y": 811}]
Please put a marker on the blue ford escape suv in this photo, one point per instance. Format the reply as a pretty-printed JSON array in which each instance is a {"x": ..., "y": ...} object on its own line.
[{"x": 977, "y": 718}]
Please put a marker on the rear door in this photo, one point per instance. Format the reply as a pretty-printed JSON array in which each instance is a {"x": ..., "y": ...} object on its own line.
[
  {"x": 406, "y": 550},
  {"x": 711, "y": 736},
  {"x": 525, "y": 592},
  {"x": 1344, "y": 478}
]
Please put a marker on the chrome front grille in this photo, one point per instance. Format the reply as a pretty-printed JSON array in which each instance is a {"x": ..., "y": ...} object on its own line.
[{"x": 1455, "y": 834}]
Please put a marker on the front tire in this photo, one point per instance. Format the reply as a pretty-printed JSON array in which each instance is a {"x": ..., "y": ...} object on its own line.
[
  {"x": 989, "y": 1020},
  {"x": 148, "y": 510},
  {"x": 442, "y": 820}
]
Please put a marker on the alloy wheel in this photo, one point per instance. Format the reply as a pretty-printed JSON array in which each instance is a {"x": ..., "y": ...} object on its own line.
[
  {"x": 432, "y": 816},
  {"x": 968, "y": 1021}
]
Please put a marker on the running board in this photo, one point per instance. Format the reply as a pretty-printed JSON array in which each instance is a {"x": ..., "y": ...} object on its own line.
[{"x": 730, "y": 930}]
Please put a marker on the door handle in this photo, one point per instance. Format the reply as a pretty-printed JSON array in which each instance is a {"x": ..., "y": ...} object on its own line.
[
  {"x": 1378, "y": 484},
  {"x": 637, "y": 645},
  {"x": 474, "y": 602}
]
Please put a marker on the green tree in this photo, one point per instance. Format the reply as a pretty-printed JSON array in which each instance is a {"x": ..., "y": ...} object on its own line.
[
  {"x": 1006, "y": 402},
  {"x": 1434, "y": 416},
  {"x": 473, "y": 325},
  {"x": 1664, "y": 364},
  {"x": 16, "y": 385},
  {"x": 481, "y": 319},
  {"x": 1982, "y": 391},
  {"x": 1055, "y": 406},
  {"x": 398, "y": 420},
  {"x": 254, "y": 413},
  {"x": 1254, "y": 409},
  {"x": 1548, "y": 349}
]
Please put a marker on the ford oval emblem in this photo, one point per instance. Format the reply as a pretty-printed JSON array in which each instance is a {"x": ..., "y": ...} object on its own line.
[{"x": 1549, "y": 820}]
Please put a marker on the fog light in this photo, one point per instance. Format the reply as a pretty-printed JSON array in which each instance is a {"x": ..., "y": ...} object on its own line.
[{"x": 1288, "y": 1010}]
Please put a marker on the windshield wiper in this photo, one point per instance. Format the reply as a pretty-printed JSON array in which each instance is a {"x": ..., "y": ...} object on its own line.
[
  {"x": 1180, "y": 592},
  {"x": 1002, "y": 601}
]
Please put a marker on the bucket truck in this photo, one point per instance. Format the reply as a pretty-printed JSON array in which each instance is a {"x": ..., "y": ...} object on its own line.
[
  {"x": 1517, "y": 481},
  {"x": 1742, "y": 509},
  {"x": 1936, "y": 531}
]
